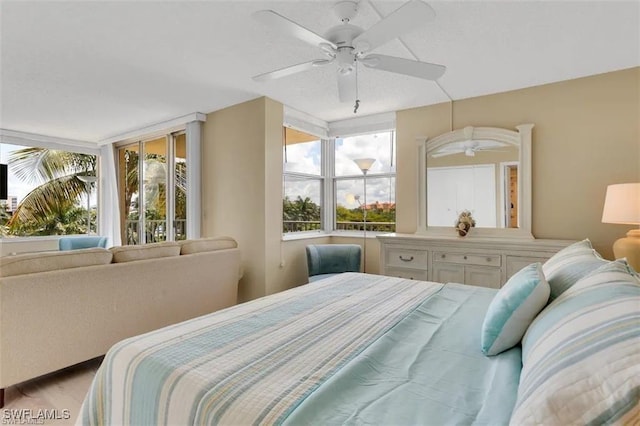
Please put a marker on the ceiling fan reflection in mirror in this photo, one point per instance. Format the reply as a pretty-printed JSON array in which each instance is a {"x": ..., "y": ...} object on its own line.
[
  {"x": 347, "y": 45},
  {"x": 468, "y": 148}
]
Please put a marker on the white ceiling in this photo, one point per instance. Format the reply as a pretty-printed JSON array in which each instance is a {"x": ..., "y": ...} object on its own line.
[{"x": 89, "y": 70}]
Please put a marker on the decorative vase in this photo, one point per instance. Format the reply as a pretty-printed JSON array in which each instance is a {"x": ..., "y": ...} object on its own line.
[
  {"x": 464, "y": 223},
  {"x": 463, "y": 229}
]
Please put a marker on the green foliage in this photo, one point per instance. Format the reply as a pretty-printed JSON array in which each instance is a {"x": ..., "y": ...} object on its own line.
[
  {"x": 357, "y": 215},
  {"x": 300, "y": 209},
  {"x": 51, "y": 208},
  {"x": 63, "y": 219},
  {"x": 298, "y": 214}
]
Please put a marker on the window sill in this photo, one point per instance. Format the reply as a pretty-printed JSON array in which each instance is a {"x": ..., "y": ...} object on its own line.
[
  {"x": 294, "y": 236},
  {"x": 344, "y": 234}
]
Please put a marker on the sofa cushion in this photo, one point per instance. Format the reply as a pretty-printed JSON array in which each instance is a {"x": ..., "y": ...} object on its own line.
[
  {"x": 31, "y": 263},
  {"x": 207, "y": 244},
  {"x": 147, "y": 251}
]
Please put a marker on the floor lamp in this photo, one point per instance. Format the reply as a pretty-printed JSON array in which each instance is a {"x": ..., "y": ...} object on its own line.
[
  {"x": 88, "y": 180},
  {"x": 364, "y": 164}
]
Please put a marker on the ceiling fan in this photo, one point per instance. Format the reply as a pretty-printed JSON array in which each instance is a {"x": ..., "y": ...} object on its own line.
[{"x": 347, "y": 45}]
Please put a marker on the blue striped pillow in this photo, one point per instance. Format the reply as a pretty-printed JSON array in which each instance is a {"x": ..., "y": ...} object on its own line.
[
  {"x": 581, "y": 363},
  {"x": 570, "y": 264}
]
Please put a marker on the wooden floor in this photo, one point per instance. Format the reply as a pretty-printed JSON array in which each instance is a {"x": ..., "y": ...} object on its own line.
[{"x": 63, "y": 390}]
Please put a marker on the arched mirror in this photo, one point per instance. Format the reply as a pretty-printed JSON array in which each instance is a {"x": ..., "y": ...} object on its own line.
[{"x": 485, "y": 170}]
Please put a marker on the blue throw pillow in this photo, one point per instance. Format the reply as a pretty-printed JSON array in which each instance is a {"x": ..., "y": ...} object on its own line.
[{"x": 513, "y": 309}]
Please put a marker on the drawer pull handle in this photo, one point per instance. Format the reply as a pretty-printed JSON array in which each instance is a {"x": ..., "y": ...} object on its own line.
[
  {"x": 444, "y": 255},
  {"x": 405, "y": 259},
  {"x": 465, "y": 258},
  {"x": 488, "y": 259}
]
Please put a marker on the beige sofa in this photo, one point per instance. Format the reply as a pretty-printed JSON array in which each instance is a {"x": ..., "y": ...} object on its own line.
[{"x": 61, "y": 308}]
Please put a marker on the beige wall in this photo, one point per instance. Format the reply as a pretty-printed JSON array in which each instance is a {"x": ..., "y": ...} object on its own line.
[
  {"x": 233, "y": 172},
  {"x": 242, "y": 195},
  {"x": 586, "y": 136}
]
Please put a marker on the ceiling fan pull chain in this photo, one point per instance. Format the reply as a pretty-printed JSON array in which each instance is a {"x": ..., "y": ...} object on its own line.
[{"x": 357, "y": 104}]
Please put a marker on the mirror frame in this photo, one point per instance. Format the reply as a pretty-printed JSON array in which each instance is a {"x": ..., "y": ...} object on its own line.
[{"x": 520, "y": 138}]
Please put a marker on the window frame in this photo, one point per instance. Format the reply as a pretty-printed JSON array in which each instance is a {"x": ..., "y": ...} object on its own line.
[
  {"x": 28, "y": 140},
  {"x": 322, "y": 178},
  {"x": 360, "y": 176},
  {"x": 329, "y": 182}
]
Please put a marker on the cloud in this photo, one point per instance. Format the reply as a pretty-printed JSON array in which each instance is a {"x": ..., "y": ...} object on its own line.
[{"x": 305, "y": 158}]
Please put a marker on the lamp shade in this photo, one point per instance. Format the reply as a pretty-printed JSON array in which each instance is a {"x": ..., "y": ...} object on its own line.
[
  {"x": 364, "y": 163},
  {"x": 622, "y": 204}
]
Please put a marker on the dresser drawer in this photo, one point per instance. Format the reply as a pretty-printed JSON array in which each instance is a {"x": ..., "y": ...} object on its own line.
[
  {"x": 468, "y": 259},
  {"x": 407, "y": 258},
  {"x": 410, "y": 274}
]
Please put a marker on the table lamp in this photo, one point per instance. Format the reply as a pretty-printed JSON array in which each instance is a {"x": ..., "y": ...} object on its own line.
[{"x": 622, "y": 205}]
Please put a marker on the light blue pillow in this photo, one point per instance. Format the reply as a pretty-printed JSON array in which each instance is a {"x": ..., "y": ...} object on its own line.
[
  {"x": 569, "y": 265},
  {"x": 513, "y": 309}
]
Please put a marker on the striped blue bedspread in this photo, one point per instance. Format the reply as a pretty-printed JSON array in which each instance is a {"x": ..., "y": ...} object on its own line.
[{"x": 334, "y": 351}]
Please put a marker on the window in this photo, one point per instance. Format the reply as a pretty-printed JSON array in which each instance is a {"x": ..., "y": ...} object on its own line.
[
  {"x": 303, "y": 182},
  {"x": 50, "y": 192},
  {"x": 349, "y": 183},
  {"x": 152, "y": 179}
]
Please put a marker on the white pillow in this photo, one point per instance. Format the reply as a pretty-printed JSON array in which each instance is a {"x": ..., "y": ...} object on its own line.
[
  {"x": 570, "y": 264},
  {"x": 513, "y": 309}
]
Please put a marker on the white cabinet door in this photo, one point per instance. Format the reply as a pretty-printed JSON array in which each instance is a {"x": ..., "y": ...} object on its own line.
[
  {"x": 447, "y": 273},
  {"x": 515, "y": 263},
  {"x": 482, "y": 276}
]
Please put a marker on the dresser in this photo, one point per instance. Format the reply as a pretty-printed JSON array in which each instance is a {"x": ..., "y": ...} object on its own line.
[{"x": 486, "y": 262}]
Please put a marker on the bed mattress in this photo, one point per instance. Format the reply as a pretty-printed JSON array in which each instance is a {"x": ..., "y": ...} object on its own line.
[{"x": 349, "y": 349}]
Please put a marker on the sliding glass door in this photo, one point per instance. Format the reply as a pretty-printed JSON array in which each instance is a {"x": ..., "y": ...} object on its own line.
[{"x": 153, "y": 190}]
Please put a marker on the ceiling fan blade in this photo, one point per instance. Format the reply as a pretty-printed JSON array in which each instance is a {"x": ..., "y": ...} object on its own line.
[
  {"x": 411, "y": 15},
  {"x": 347, "y": 86},
  {"x": 283, "y": 72},
  {"x": 288, "y": 27},
  {"x": 404, "y": 66},
  {"x": 444, "y": 153}
]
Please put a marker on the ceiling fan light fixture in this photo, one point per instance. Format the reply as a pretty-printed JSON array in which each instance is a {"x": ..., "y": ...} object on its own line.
[{"x": 346, "y": 44}]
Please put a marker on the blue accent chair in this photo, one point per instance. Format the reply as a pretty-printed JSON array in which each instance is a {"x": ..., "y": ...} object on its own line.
[
  {"x": 74, "y": 243},
  {"x": 327, "y": 260}
]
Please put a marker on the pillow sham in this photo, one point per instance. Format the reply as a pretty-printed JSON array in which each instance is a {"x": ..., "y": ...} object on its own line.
[
  {"x": 570, "y": 264},
  {"x": 513, "y": 308},
  {"x": 580, "y": 358}
]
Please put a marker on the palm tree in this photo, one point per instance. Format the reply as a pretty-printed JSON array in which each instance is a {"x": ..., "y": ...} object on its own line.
[{"x": 59, "y": 188}]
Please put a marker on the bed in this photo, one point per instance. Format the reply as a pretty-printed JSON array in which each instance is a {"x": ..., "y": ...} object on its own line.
[{"x": 350, "y": 349}]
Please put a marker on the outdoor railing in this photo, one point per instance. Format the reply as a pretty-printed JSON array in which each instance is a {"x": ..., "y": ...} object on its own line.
[
  {"x": 155, "y": 230},
  {"x": 310, "y": 225}
]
